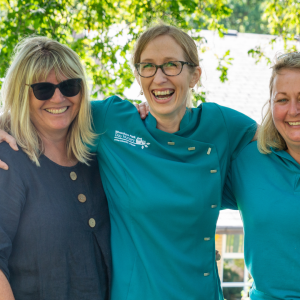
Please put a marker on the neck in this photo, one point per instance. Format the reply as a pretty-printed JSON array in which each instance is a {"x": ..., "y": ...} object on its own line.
[
  {"x": 55, "y": 148},
  {"x": 169, "y": 123},
  {"x": 294, "y": 152}
]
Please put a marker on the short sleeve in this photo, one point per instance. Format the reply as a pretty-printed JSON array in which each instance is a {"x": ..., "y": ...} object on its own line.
[
  {"x": 99, "y": 110},
  {"x": 228, "y": 198},
  {"x": 241, "y": 130},
  {"x": 12, "y": 201}
]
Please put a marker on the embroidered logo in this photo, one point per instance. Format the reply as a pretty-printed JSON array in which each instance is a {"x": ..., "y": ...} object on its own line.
[{"x": 130, "y": 139}]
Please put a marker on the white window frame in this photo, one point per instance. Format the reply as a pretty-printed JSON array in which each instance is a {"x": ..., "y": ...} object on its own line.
[{"x": 245, "y": 284}]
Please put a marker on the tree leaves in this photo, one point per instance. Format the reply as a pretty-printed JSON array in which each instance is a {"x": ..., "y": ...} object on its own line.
[{"x": 101, "y": 32}]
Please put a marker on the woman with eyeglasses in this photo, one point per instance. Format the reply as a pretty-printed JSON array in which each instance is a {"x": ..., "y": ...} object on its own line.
[
  {"x": 54, "y": 220},
  {"x": 264, "y": 184},
  {"x": 163, "y": 176}
]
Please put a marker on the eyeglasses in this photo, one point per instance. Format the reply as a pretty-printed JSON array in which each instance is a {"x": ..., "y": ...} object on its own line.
[
  {"x": 170, "y": 68},
  {"x": 45, "y": 90}
]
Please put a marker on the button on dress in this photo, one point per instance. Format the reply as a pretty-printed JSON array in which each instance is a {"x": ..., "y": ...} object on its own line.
[
  {"x": 49, "y": 248},
  {"x": 266, "y": 189},
  {"x": 164, "y": 193}
]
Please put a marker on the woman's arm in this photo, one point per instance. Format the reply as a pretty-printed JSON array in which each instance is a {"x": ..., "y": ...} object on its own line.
[{"x": 5, "y": 289}]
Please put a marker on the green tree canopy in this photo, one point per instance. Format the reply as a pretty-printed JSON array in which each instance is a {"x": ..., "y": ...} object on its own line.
[
  {"x": 103, "y": 32},
  {"x": 96, "y": 29}
]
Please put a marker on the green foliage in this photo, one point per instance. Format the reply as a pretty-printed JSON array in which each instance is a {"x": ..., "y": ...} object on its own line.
[
  {"x": 246, "y": 16},
  {"x": 102, "y": 32},
  {"x": 283, "y": 18},
  {"x": 199, "y": 97},
  {"x": 223, "y": 65}
]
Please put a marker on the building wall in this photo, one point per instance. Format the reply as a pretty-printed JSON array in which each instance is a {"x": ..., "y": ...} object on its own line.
[{"x": 219, "y": 247}]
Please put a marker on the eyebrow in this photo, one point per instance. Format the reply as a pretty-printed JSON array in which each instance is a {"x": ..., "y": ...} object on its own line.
[
  {"x": 283, "y": 93},
  {"x": 280, "y": 93},
  {"x": 166, "y": 59}
]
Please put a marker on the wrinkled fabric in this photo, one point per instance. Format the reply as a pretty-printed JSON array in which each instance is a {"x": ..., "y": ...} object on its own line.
[
  {"x": 47, "y": 248},
  {"x": 164, "y": 193}
]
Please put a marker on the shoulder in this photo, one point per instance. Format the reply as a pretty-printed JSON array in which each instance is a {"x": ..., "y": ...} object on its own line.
[
  {"x": 105, "y": 111},
  {"x": 12, "y": 157},
  {"x": 250, "y": 156},
  {"x": 98, "y": 105}
]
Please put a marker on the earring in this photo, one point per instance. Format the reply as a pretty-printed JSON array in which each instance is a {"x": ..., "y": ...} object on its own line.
[{"x": 142, "y": 93}]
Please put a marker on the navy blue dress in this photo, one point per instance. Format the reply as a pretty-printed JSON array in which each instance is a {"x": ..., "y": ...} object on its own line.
[{"x": 54, "y": 229}]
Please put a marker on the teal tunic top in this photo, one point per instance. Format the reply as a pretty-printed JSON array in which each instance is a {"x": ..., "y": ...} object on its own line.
[
  {"x": 266, "y": 190},
  {"x": 164, "y": 192}
]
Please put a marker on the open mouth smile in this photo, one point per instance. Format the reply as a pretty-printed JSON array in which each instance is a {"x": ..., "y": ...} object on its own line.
[
  {"x": 56, "y": 111},
  {"x": 163, "y": 95},
  {"x": 293, "y": 123}
]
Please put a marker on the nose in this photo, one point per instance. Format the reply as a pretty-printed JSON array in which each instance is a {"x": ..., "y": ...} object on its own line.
[
  {"x": 57, "y": 96},
  {"x": 294, "y": 107},
  {"x": 160, "y": 77}
]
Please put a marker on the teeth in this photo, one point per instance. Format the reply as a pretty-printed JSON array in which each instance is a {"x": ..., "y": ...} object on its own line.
[
  {"x": 166, "y": 92},
  {"x": 294, "y": 123},
  {"x": 56, "y": 111}
]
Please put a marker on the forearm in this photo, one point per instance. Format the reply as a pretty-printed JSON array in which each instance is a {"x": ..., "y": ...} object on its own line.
[{"x": 5, "y": 289}]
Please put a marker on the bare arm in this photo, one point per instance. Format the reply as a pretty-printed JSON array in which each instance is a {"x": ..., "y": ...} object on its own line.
[{"x": 5, "y": 289}]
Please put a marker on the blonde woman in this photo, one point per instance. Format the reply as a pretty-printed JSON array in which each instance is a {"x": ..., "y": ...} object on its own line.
[
  {"x": 163, "y": 176},
  {"x": 54, "y": 221},
  {"x": 264, "y": 184}
]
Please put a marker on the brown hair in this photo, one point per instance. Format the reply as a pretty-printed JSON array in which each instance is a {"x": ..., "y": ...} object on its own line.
[
  {"x": 187, "y": 44},
  {"x": 268, "y": 135}
]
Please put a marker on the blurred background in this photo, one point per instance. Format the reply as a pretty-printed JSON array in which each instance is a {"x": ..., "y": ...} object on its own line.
[{"x": 237, "y": 42}]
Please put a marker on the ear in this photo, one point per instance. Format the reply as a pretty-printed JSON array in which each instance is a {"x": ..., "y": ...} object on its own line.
[
  {"x": 195, "y": 76},
  {"x": 137, "y": 77}
]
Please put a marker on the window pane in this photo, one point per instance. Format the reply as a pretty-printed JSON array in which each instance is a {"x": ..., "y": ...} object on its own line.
[
  {"x": 232, "y": 293},
  {"x": 233, "y": 270},
  {"x": 234, "y": 243}
]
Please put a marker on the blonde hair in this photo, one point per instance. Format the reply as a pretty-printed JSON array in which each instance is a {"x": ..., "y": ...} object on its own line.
[
  {"x": 187, "y": 44},
  {"x": 33, "y": 60},
  {"x": 268, "y": 135}
]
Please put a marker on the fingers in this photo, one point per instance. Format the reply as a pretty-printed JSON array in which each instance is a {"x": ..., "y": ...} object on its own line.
[
  {"x": 3, "y": 165},
  {"x": 137, "y": 106},
  {"x": 143, "y": 109},
  {"x": 4, "y": 136}
]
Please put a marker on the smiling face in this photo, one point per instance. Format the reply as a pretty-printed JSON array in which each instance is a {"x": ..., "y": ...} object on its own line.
[
  {"x": 167, "y": 95},
  {"x": 286, "y": 106},
  {"x": 54, "y": 116}
]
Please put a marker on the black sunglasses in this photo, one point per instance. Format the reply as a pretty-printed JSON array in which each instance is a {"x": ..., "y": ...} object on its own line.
[{"x": 45, "y": 90}]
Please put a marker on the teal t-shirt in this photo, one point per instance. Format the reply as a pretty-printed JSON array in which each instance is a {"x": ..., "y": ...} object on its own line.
[
  {"x": 266, "y": 190},
  {"x": 164, "y": 193}
]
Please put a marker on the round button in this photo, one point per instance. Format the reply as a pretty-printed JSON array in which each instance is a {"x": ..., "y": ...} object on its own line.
[
  {"x": 73, "y": 175},
  {"x": 92, "y": 222},
  {"x": 81, "y": 198}
]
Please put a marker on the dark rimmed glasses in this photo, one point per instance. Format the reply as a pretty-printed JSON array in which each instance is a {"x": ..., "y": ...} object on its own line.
[
  {"x": 170, "y": 68},
  {"x": 45, "y": 90}
]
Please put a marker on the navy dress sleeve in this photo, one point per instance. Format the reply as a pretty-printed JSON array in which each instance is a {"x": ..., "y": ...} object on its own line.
[{"x": 12, "y": 201}]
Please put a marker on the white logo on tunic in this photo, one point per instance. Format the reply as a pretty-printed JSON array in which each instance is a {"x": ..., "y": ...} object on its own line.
[{"x": 130, "y": 139}]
